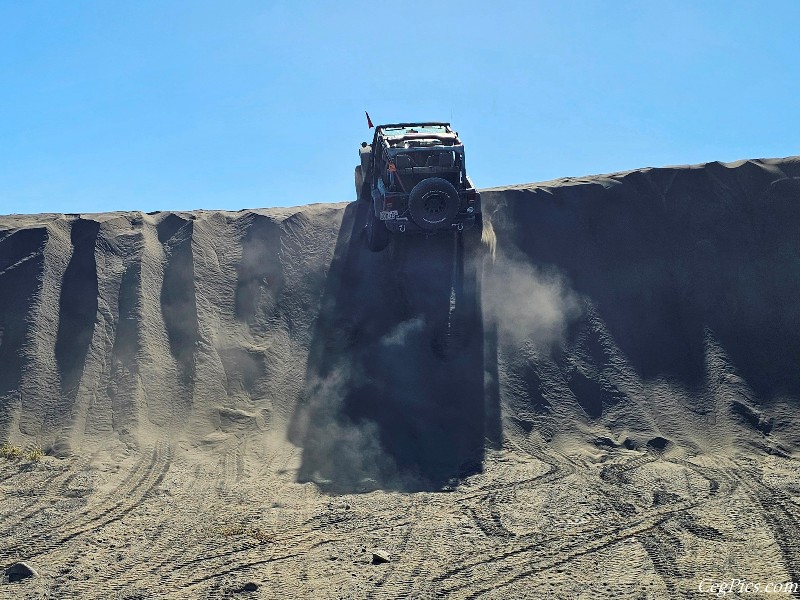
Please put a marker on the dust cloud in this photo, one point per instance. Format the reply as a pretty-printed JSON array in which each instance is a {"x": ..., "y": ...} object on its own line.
[{"x": 529, "y": 303}]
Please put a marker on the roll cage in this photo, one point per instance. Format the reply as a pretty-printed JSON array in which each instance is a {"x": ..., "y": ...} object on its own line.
[{"x": 405, "y": 153}]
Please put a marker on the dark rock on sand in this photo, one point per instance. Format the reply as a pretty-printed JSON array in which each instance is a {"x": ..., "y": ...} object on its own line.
[{"x": 20, "y": 571}]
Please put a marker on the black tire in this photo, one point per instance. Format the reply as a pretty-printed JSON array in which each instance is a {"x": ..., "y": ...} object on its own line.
[
  {"x": 376, "y": 233},
  {"x": 433, "y": 203},
  {"x": 359, "y": 183}
]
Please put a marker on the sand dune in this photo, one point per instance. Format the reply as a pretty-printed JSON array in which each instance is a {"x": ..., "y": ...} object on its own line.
[{"x": 597, "y": 399}]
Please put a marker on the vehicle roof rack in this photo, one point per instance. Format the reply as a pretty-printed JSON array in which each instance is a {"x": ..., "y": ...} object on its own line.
[{"x": 417, "y": 124}]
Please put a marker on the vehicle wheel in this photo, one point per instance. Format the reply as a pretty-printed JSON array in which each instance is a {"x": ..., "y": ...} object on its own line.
[
  {"x": 433, "y": 203},
  {"x": 359, "y": 183},
  {"x": 376, "y": 232}
]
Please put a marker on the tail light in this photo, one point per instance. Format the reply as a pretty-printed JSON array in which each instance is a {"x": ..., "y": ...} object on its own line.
[{"x": 471, "y": 196}]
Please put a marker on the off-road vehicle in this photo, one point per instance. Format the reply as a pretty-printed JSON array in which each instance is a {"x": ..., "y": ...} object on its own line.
[{"x": 414, "y": 178}]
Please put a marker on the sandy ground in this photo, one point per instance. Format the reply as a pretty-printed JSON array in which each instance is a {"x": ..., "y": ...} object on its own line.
[
  {"x": 598, "y": 399},
  {"x": 537, "y": 524}
]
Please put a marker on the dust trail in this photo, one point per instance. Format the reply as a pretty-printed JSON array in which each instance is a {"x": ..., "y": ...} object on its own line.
[
  {"x": 529, "y": 303},
  {"x": 395, "y": 384},
  {"x": 345, "y": 454}
]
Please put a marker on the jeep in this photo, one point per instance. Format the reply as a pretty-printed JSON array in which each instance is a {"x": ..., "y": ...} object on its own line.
[{"x": 414, "y": 178}]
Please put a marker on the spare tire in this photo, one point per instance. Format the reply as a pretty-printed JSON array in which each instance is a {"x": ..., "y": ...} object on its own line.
[{"x": 433, "y": 203}]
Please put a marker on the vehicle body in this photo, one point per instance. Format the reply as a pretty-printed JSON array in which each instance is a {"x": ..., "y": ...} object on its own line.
[{"x": 414, "y": 178}]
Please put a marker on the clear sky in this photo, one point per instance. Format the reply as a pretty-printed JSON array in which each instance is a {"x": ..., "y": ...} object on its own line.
[{"x": 156, "y": 105}]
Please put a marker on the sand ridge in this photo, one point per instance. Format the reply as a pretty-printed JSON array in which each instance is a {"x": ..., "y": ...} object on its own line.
[{"x": 596, "y": 400}]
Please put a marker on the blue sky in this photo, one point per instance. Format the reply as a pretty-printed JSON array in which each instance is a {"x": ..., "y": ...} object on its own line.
[{"x": 158, "y": 105}]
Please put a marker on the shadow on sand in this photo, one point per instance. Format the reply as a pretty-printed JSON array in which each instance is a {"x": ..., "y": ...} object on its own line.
[
  {"x": 394, "y": 396},
  {"x": 672, "y": 254}
]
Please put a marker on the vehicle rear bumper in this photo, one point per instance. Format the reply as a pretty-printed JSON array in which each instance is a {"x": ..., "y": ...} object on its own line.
[{"x": 461, "y": 222}]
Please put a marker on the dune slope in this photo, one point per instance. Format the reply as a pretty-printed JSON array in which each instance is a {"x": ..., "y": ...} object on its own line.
[{"x": 606, "y": 383}]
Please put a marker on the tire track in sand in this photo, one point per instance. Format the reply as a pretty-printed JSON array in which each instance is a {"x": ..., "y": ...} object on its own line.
[
  {"x": 531, "y": 554},
  {"x": 55, "y": 485},
  {"x": 146, "y": 476},
  {"x": 778, "y": 511}
]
